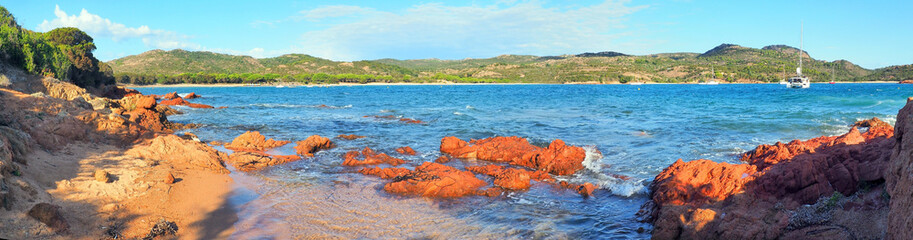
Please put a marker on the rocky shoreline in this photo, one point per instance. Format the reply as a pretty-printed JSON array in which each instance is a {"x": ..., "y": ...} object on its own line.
[
  {"x": 852, "y": 186},
  {"x": 76, "y": 165}
]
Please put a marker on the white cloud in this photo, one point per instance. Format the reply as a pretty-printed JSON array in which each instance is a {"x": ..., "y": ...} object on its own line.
[
  {"x": 97, "y": 26},
  {"x": 430, "y": 30},
  {"x": 334, "y": 12}
]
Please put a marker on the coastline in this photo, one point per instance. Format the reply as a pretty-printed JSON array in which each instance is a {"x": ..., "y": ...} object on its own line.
[{"x": 187, "y": 85}]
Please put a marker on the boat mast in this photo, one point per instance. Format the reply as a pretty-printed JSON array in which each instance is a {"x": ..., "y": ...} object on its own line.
[{"x": 801, "y": 29}]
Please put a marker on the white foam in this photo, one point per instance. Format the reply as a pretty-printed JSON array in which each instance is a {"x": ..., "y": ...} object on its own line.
[
  {"x": 591, "y": 161},
  {"x": 470, "y": 107},
  {"x": 458, "y": 113}
]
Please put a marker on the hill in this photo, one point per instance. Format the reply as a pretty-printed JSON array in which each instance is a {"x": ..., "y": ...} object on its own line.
[{"x": 731, "y": 63}]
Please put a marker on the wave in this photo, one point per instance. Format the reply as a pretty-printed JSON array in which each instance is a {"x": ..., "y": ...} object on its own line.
[
  {"x": 624, "y": 188},
  {"x": 470, "y": 107},
  {"x": 458, "y": 113},
  {"x": 277, "y": 105},
  {"x": 591, "y": 161},
  {"x": 286, "y": 105}
]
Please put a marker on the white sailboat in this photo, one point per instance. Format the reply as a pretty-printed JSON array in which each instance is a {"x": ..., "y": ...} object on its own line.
[
  {"x": 712, "y": 80},
  {"x": 799, "y": 81}
]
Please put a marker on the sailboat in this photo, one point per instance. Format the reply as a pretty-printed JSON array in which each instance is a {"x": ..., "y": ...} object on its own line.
[
  {"x": 832, "y": 75},
  {"x": 711, "y": 81},
  {"x": 799, "y": 81}
]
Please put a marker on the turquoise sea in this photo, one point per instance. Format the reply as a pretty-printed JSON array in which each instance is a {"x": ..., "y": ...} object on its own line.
[{"x": 638, "y": 129}]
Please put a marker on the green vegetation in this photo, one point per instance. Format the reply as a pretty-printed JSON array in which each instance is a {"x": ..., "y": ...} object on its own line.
[
  {"x": 64, "y": 53},
  {"x": 731, "y": 63}
]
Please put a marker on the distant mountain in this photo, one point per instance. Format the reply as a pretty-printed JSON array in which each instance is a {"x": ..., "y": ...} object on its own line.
[
  {"x": 180, "y": 61},
  {"x": 601, "y": 54},
  {"x": 892, "y": 73},
  {"x": 732, "y": 63}
]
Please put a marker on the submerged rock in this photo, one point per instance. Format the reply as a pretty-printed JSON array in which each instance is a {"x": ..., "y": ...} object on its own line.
[
  {"x": 191, "y": 95},
  {"x": 349, "y": 137},
  {"x": 435, "y": 180},
  {"x": 181, "y": 101},
  {"x": 557, "y": 158},
  {"x": 511, "y": 178},
  {"x": 370, "y": 158},
  {"x": 252, "y": 161},
  {"x": 405, "y": 150},
  {"x": 254, "y": 141},
  {"x": 312, "y": 144}
]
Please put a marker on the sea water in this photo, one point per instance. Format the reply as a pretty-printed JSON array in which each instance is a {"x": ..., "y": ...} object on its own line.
[{"x": 639, "y": 130}]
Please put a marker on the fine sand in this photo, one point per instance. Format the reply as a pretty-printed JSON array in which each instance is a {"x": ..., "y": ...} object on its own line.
[{"x": 129, "y": 204}]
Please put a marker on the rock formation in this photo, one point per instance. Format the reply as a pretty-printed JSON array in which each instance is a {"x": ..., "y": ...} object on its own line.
[
  {"x": 405, "y": 150},
  {"x": 254, "y": 141},
  {"x": 705, "y": 199},
  {"x": 181, "y": 101},
  {"x": 370, "y": 158},
  {"x": 899, "y": 177},
  {"x": 349, "y": 137},
  {"x": 252, "y": 161},
  {"x": 192, "y": 96},
  {"x": 557, "y": 158},
  {"x": 308, "y": 147},
  {"x": 430, "y": 180},
  {"x": 182, "y": 152}
]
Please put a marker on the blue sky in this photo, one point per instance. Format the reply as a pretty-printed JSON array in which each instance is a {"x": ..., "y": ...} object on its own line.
[{"x": 872, "y": 34}]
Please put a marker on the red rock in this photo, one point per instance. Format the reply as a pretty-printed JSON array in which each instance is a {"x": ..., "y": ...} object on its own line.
[
  {"x": 181, "y": 101},
  {"x": 558, "y": 158},
  {"x": 49, "y": 214},
  {"x": 409, "y": 120},
  {"x": 253, "y": 160},
  {"x": 191, "y": 95},
  {"x": 442, "y": 159},
  {"x": 773, "y": 178},
  {"x": 171, "y": 95},
  {"x": 899, "y": 178},
  {"x": 349, "y": 137},
  {"x": 511, "y": 178},
  {"x": 254, "y": 141},
  {"x": 404, "y": 120},
  {"x": 873, "y": 122},
  {"x": 584, "y": 189},
  {"x": 435, "y": 180},
  {"x": 700, "y": 182},
  {"x": 313, "y": 144},
  {"x": 169, "y": 178},
  {"x": 906, "y": 82},
  {"x": 370, "y": 158},
  {"x": 181, "y": 152},
  {"x": 145, "y": 102},
  {"x": 385, "y": 173},
  {"x": 405, "y": 150}
]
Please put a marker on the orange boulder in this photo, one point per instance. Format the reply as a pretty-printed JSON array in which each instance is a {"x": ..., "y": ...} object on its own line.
[
  {"x": 181, "y": 152},
  {"x": 254, "y": 141},
  {"x": 349, "y": 137},
  {"x": 558, "y": 158},
  {"x": 405, "y": 150},
  {"x": 385, "y": 173},
  {"x": 370, "y": 158},
  {"x": 191, "y": 96},
  {"x": 313, "y": 144},
  {"x": 252, "y": 161},
  {"x": 181, "y": 101},
  {"x": 435, "y": 180}
]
